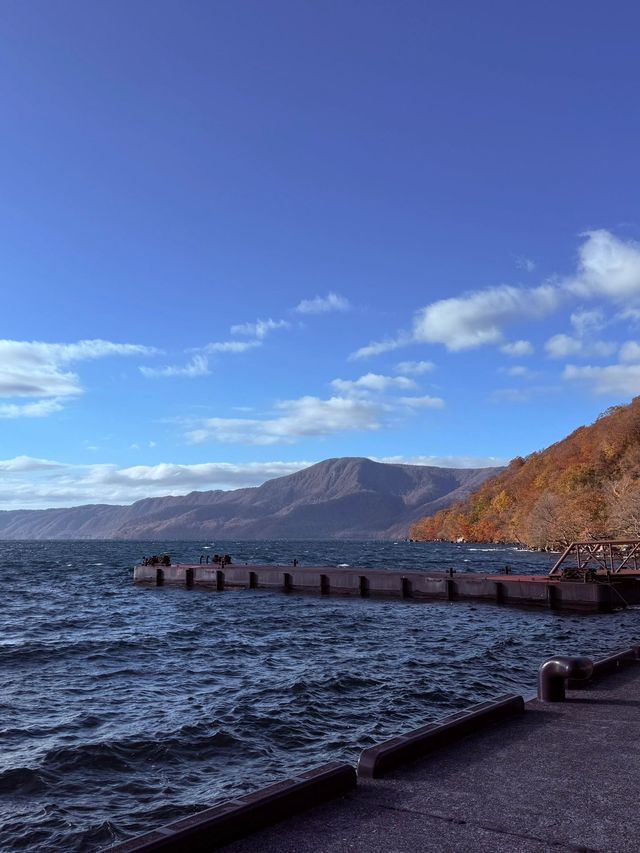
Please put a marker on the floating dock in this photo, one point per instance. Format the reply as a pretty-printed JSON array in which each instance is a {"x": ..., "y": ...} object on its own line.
[{"x": 600, "y": 595}]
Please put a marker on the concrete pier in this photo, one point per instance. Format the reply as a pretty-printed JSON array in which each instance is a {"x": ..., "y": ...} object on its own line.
[
  {"x": 522, "y": 590},
  {"x": 505, "y": 776},
  {"x": 561, "y": 776}
]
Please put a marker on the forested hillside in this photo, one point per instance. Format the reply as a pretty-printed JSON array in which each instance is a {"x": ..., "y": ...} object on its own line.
[{"x": 584, "y": 487}]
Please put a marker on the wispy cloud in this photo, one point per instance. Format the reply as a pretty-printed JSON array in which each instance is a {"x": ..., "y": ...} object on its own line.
[
  {"x": 378, "y": 347},
  {"x": 198, "y": 366},
  {"x": 371, "y": 382},
  {"x": 630, "y": 351},
  {"x": 618, "y": 380},
  {"x": 446, "y": 461},
  {"x": 32, "y": 483},
  {"x": 424, "y": 402},
  {"x": 260, "y": 328},
  {"x": 607, "y": 268},
  {"x": 585, "y": 322},
  {"x": 566, "y": 346},
  {"x": 323, "y": 304},
  {"x": 24, "y": 464},
  {"x": 517, "y": 349},
  {"x": 230, "y": 346},
  {"x": 525, "y": 264},
  {"x": 304, "y": 417},
  {"x": 519, "y": 370},
  {"x": 39, "y": 369},
  {"x": 40, "y": 409},
  {"x": 526, "y": 394},
  {"x": 582, "y": 343},
  {"x": 415, "y": 367}
]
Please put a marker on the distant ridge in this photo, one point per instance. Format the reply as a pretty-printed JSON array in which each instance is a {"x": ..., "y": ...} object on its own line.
[{"x": 344, "y": 498}]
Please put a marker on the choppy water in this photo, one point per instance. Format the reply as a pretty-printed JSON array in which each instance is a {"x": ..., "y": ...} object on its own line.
[{"x": 122, "y": 708}]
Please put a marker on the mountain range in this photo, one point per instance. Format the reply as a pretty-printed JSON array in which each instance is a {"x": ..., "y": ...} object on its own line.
[{"x": 344, "y": 498}]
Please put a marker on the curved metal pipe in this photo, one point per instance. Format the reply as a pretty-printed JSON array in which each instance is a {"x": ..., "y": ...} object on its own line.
[{"x": 554, "y": 672}]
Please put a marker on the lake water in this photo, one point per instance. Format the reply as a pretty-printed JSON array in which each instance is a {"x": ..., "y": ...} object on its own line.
[{"x": 124, "y": 707}]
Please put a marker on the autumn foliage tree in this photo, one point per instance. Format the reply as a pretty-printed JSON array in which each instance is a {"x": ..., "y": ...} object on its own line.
[{"x": 584, "y": 487}]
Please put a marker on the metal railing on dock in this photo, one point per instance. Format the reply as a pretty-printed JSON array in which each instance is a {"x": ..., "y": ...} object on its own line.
[{"x": 585, "y": 560}]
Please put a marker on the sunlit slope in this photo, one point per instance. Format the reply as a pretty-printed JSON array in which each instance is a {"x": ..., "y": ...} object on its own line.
[{"x": 585, "y": 486}]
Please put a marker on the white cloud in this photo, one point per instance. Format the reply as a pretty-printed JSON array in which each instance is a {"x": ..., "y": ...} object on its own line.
[
  {"x": 38, "y": 369},
  {"x": 415, "y": 367},
  {"x": 306, "y": 416},
  {"x": 476, "y": 319},
  {"x": 424, "y": 402},
  {"x": 446, "y": 461},
  {"x": 198, "y": 366},
  {"x": 561, "y": 346},
  {"x": 323, "y": 304},
  {"x": 91, "y": 349},
  {"x": 621, "y": 380},
  {"x": 629, "y": 351},
  {"x": 230, "y": 346},
  {"x": 23, "y": 464},
  {"x": 585, "y": 322},
  {"x": 39, "y": 409},
  {"x": 525, "y": 264},
  {"x": 260, "y": 329},
  {"x": 564, "y": 346},
  {"x": 517, "y": 349},
  {"x": 632, "y": 314},
  {"x": 518, "y": 370},
  {"x": 378, "y": 347},
  {"x": 607, "y": 267},
  {"x": 33, "y": 483},
  {"x": 371, "y": 382},
  {"x": 473, "y": 319}
]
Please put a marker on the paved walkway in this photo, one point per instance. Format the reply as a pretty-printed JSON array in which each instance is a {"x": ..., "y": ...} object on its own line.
[{"x": 561, "y": 776}]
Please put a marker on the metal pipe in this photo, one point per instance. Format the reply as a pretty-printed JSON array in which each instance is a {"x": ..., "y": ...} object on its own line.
[{"x": 554, "y": 672}]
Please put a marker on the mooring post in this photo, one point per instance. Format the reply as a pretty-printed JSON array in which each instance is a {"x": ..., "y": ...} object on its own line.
[{"x": 554, "y": 673}]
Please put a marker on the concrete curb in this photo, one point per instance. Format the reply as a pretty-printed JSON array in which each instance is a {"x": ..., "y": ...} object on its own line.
[
  {"x": 607, "y": 665},
  {"x": 377, "y": 760},
  {"x": 214, "y": 827}
]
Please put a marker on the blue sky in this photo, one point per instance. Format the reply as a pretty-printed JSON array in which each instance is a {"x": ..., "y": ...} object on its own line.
[{"x": 242, "y": 237}]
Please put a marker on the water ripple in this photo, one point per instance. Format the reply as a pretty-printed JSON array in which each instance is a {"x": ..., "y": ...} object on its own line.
[{"x": 123, "y": 708}]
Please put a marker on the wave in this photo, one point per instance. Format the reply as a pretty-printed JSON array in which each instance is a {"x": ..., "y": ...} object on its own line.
[
  {"x": 190, "y": 741},
  {"x": 23, "y": 781}
]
